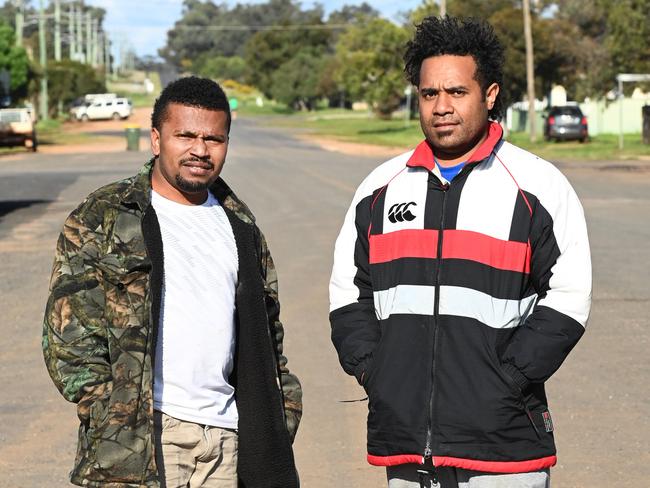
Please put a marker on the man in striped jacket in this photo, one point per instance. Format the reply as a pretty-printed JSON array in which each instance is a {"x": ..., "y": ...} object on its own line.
[{"x": 461, "y": 281}]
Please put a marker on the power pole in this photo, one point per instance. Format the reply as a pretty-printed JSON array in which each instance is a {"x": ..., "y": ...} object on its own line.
[
  {"x": 72, "y": 34},
  {"x": 530, "y": 70},
  {"x": 80, "y": 34},
  {"x": 89, "y": 41},
  {"x": 57, "y": 30},
  {"x": 43, "y": 59},
  {"x": 96, "y": 42},
  {"x": 443, "y": 8},
  {"x": 107, "y": 55},
  {"x": 20, "y": 22}
]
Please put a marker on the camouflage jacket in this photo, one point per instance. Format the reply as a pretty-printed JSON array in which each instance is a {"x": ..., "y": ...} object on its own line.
[{"x": 99, "y": 339}]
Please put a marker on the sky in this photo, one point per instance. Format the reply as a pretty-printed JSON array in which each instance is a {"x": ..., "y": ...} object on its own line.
[{"x": 143, "y": 24}]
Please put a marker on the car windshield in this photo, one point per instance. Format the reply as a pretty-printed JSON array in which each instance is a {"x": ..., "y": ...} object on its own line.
[
  {"x": 9, "y": 117},
  {"x": 575, "y": 111}
]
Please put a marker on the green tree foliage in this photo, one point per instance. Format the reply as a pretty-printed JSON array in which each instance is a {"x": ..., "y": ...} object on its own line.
[
  {"x": 295, "y": 56},
  {"x": 601, "y": 38},
  {"x": 550, "y": 56},
  {"x": 459, "y": 8},
  {"x": 353, "y": 14},
  {"x": 297, "y": 82},
  {"x": 215, "y": 30},
  {"x": 628, "y": 35},
  {"x": 267, "y": 51},
  {"x": 14, "y": 59},
  {"x": 222, "y": 67},
  {"x": 69, "y": 80},
  {"x": 370, "y": 64}
]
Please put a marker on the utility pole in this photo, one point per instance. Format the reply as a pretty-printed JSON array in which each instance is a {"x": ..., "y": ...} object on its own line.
[
  {"x": 43, "y": 59},
  {"x": 89, "y": 41},
  {"x": 57, "y": 30},
  {"x": 530, "y": 70},
  {"x": 72, "y": 34},
  {"x": 107, "y": 55},
  {"x": 80, "y": 38},
  {"x": 443, "y": 8},
  {"x": 95, "y": 42},
  {"x": 20, "y": 22}
]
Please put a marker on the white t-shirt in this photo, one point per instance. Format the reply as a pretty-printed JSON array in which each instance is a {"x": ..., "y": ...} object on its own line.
[{"x": 196, "y": 335}]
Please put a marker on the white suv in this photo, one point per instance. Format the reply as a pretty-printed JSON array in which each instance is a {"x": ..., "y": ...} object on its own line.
[{"x": 109, "y": 108}]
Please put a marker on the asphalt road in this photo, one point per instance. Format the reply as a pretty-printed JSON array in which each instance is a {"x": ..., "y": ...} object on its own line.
[{"x": 599, "y": 398}]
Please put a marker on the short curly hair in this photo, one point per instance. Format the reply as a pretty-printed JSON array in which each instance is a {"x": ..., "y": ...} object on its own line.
[
  {"x": 191, "y": 91},
  {"x": 438, "y": 36}
]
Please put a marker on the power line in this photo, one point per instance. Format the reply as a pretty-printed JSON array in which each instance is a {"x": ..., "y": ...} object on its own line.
[{"x": 263, "y": 27}]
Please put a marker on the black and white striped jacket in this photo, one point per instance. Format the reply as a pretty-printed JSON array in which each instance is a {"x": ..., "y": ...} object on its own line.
[{"x": 453, "y": 303}]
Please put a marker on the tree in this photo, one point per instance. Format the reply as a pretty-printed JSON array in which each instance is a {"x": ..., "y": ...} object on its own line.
[
  {"x": 183, "y": 43},
  {"x": 370, "y": 64},
  {"x": 353, "y": 14},
  {"x": 267, "y": 51},
  {"x": 530, "y": 69},
  {"x": 297, "y": 82},
  {"x": 208, "y": 30},
  {"x": 628, "y": 35},
  {"x": 14, "y": 59},
  {"x": 69, "y": 80},
  {"x": 222, "y": 68}
]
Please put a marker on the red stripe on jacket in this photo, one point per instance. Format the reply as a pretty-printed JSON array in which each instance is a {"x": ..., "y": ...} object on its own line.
[
  {"x": 471, "y": 464},
  {"x": 457, "y": 244}
]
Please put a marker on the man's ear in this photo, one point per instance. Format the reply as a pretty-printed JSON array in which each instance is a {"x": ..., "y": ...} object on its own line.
[
  {"x": 155, "y": 142},
  {"x": 491, "y": 95}
]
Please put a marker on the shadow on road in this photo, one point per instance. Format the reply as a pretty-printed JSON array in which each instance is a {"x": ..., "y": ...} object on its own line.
[{"x": 6, "y": 207}]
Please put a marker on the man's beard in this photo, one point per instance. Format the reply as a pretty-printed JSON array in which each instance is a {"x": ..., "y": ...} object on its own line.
[{"x": 191, "y": 186}]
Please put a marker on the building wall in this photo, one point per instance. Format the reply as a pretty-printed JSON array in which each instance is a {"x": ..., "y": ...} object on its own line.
[{"x": 603, "y": 116}]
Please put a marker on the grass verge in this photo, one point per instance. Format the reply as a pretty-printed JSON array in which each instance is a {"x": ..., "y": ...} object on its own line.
[
  {"x": 367, "y": 129},
  {"x": 52, "y": 132}
]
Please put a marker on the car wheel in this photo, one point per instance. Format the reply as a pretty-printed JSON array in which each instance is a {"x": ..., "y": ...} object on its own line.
[
  {"x": 84, "y": 118},
  {"x": 116, "y": 116}
]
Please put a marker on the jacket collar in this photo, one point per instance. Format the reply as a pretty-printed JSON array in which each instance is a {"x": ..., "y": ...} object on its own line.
[
  {"x": 138, "y": 192},
  {"x": 423, "y": 154}
]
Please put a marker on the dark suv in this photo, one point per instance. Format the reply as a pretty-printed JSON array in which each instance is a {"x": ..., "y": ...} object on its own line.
[{"x": 565, "y": 123}]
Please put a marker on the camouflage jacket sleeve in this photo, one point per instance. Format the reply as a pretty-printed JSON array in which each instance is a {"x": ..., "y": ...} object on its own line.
[
  {"x": 291, "y": 389},
  {"x": 75, "y": 345}
]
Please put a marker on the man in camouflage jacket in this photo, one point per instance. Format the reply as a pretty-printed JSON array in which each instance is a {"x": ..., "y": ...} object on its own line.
[{"x": 100, "y": 330}]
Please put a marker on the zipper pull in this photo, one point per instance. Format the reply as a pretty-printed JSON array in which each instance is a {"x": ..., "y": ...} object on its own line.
[
  {"x": 530, "y": 417},
  {"x": 427, "y": 474}
]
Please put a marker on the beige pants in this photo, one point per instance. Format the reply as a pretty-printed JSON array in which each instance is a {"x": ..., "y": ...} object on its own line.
[{"x": 190, "y": 455}]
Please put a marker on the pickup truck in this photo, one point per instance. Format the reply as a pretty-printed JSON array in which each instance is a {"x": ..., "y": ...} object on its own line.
[{"x": 17, "y": 128}]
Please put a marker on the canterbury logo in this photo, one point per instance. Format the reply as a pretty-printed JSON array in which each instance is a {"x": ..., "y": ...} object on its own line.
[{"x": 400, "y": 212}]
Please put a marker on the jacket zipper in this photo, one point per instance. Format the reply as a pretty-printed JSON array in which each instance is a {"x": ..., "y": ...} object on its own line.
[{"x": 428, "y": 454}]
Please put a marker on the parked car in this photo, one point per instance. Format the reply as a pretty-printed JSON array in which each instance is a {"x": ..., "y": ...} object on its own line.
[
  {"x": 17, "y": 128},
  {"x": 99, "y": 109},
  {"x": 566, "y": 123}
]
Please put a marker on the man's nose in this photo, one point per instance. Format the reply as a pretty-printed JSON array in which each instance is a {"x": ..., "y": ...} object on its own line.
[
  {"x": 199, "y": 147},
  {"x": 443, "y": 104}
]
